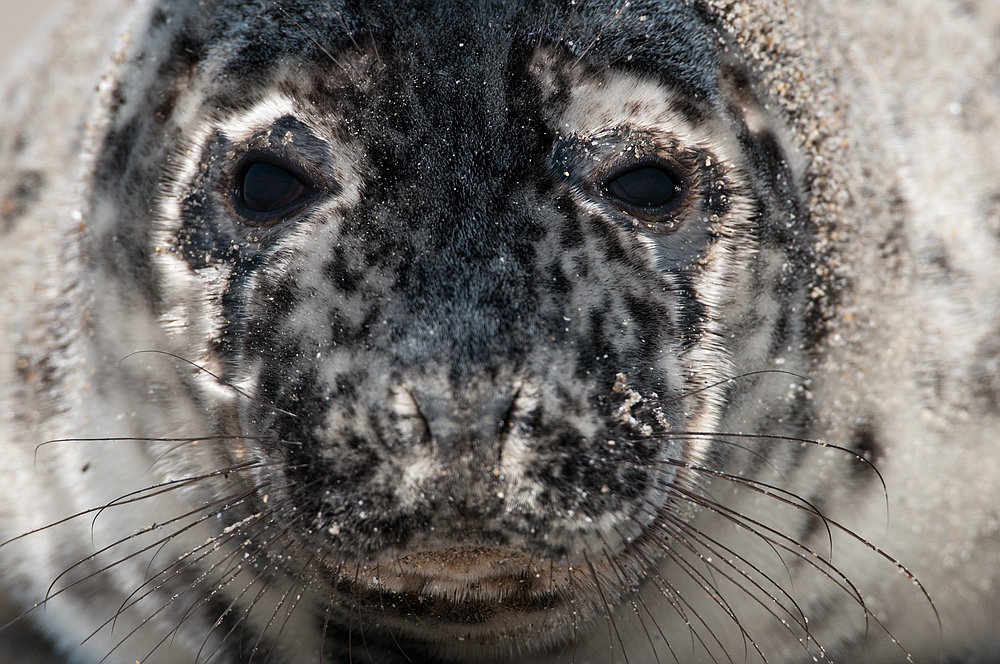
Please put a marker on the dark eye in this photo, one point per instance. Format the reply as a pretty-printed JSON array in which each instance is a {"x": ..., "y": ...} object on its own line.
[
  {"x": 647, "y": 190},
  {"x": 266, "y": 191}
]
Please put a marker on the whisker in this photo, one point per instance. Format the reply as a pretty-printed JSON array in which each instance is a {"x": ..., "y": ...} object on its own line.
[
  {"x": 324, "y": 632},
  {"x": 613, "y": 632},
  {"x": 677, "y": 602},
  {"x": 635, "y": 600},
  {"x": 159, "y": 542},
  {"x": 202, "y": 369},
  {"x": 576, "y": 608},
  {"x": 712, "y": 591},
  {"x": 722, "y": 435},
  {"x": 223, "y": 579},
  {"x": 778, "y": 539},
  {"x": 361, "y": 621},
  {"x": 766, "y": 489},
  {"x": 227, "y": 578},
  {"x": 714, "y": 549},
  {"x": 392, "y": 634},
  {"x": 151, "y": 616},
  {"x": 543, "y": 28},
  {"x": 163, "y": 488},
  {"x": 295, "y": 582},
  {"x": 225, "y": 501},
  {"x": 189, "y": 560},
  {"x": 350, "y": 617},
  {"x": 812, "y": 558},
  {"x": 771, "y": 491},
  {"x": 796, "y": 613},
  {"x": 732, "y": 379},
  {"x": 347, "y": 68}
]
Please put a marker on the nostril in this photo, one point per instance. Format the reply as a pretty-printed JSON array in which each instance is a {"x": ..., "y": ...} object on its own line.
[
  {"x": 407, "y": 422},
  {"x": 512, "y": 414}
]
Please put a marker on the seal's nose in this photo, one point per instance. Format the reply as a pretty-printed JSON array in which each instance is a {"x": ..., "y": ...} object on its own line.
[{"x": 460, "y": 425}]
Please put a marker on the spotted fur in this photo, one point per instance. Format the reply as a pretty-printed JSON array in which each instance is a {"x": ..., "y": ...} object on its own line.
[{"x": 461, "y": 400}]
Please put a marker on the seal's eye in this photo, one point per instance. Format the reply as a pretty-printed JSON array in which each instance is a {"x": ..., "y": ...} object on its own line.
[
  {"x": 266, "y": 191},
  {"x": 647, "y": 190}
]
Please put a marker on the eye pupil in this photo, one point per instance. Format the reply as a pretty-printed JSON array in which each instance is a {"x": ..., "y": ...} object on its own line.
[
  {"x": 645, "y": 188},
  {"x": 268, "y": 189}
]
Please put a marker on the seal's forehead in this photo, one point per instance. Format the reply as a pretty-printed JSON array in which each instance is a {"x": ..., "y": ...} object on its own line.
[{"x": 668, "y": 39}]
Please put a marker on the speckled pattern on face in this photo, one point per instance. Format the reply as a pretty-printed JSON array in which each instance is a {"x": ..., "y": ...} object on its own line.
[{"x": 589, "y": 332}]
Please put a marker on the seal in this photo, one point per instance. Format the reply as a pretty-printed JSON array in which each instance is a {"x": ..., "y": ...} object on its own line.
[{"x": 524, "y": 331}]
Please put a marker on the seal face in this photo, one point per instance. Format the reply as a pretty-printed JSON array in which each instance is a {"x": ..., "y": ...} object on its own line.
[{"x": 491, "y": 332}]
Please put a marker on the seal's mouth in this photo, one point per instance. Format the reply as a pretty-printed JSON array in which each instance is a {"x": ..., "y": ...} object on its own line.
[{"x": 483, "y": 593}]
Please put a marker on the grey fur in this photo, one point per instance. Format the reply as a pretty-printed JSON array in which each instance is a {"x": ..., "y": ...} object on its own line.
[{"x": 463, "y": 400}]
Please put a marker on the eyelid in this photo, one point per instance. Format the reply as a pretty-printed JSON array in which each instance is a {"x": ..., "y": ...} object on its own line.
[{"x": 276, "y": 159}]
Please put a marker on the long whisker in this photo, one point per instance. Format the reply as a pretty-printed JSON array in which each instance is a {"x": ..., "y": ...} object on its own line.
[
  {"x": 767, "y": 489},
  {"x": 613, "y": 632},
  {"x": 636, "y": 600},
  {"x": 188, "y": 560},
  {"x": 226, "y": 504},
  {"x": 203, "y": 370}
]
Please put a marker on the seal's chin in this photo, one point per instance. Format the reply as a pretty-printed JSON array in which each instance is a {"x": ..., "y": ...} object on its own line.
[{"x": 485, "y": 595}]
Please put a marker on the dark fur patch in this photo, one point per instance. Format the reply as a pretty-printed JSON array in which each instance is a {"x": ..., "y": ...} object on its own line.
[
  {"x": 21, "y": 195},
  {"x": 986, "y": 379},
  {"x": 865, "y": 443}
]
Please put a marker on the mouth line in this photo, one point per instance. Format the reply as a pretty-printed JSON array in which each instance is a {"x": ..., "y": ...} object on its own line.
[{"x": 462, "y": 586}]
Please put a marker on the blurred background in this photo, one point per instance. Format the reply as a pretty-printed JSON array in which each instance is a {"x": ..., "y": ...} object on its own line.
[{"x": 21, "y": 21}]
